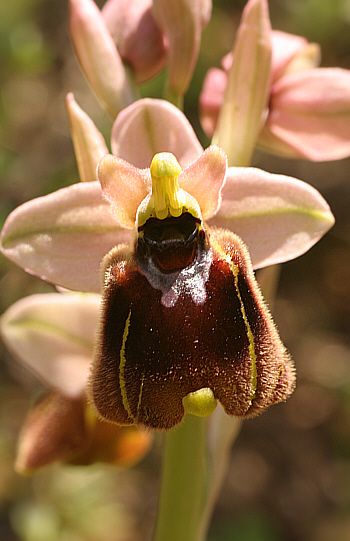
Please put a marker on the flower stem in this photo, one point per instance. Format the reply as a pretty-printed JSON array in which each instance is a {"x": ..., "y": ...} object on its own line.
[
  {"x": 175, "y": 99},
  {"x": 184, "y": 484},
  {"x": 195, "y": 463}
]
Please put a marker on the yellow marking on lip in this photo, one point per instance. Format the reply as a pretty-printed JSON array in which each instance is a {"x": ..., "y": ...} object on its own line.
[
  {"x": 122, "y": 367},
  {"x": 140, "y": 394},
  {"x": 252, "y": 354}
]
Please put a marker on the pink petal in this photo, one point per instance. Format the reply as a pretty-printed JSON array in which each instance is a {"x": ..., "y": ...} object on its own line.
[
  {"x": 53, "y": 335},
  {"x": 205, "y": 178},
  {"x": 271, "y": 143},
  {"x": 284, "y": 47},
  {"x": 150, "y": 126},
  {"x": 310, "y": 112},
  {"x": 248, "y": 85},
  {"x": 63, "y": 237},
  {"x": 54, "y": 429},
  {"x": 89, "y": 145},
  {"x": 204, "y": 9},
  {"x": 278, "y": 217},
  {"x": 211, "y": 99},
  {"x": 226, "y": 61},
  {"x": 125, "y": 186},
  {"x": 98, "y": 56}
]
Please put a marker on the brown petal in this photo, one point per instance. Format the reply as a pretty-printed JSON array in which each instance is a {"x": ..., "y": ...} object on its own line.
[
  {"x": 113, "y": 444},
  {"x": 53, "y": 430}
]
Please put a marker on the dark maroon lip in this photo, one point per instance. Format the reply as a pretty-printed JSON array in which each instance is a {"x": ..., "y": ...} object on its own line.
[{"x": 171, "y": 243}]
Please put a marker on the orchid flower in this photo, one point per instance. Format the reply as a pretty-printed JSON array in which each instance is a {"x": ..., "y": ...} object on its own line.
[
  {"x": 307, "y": 110},
  {"x": 170, "y": 259},
  {"x": 53, "y": 336},
  {"x": 168, "y": 237}
]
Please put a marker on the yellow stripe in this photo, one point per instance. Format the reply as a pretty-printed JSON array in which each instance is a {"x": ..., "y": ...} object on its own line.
[
  {"x": 122, "y": 366},
  {"x": 252, "y": 354},
  {"x": 140, "y": 395}
]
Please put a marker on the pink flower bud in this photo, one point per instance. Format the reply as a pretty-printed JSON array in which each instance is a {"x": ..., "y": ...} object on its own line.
[
  {"x": 89, "y": 144},
  {"x": 139, "y": 40},
  {"x": 98, "y": 56},
  {"x": 182, "y": 22},
  {"x": 248, "y": 85}
]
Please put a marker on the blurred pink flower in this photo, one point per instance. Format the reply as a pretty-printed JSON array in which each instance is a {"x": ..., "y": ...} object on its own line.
[
  {"x": 307, "y": 113},
  {"x": 53, "y": 336}
]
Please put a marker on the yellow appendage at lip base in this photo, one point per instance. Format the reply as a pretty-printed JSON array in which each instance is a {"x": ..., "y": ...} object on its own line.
[
  {"x": 167, "y": 198},
  {"x": 200, "y": 403},
  {"x": 166, "y": 192}
]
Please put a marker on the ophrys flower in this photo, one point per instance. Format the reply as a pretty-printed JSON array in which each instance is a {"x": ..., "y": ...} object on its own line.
[{"x": 184, "y": 322}]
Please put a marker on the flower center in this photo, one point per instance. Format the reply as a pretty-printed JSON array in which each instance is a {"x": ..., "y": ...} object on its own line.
[
  {"x": 172, "y": 242},
  {"x": 167, "y": 198},
  {"x": 168, "y": 220}
]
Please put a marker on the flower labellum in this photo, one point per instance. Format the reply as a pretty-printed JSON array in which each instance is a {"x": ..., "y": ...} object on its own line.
[{"x": 184, "y": 323}]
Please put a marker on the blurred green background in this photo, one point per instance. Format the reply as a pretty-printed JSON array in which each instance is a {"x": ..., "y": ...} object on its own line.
[{"x": 289, "y": 478}]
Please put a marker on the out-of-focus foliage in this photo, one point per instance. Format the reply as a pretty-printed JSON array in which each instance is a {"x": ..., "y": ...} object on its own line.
[{"x": 290, "y": 473}]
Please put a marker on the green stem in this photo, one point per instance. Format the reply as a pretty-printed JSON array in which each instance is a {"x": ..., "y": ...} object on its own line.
[
  {"x": 175, "y": 99},
  {"x": 195, "y": 463},
  {"x": 184, "y": 483}
]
